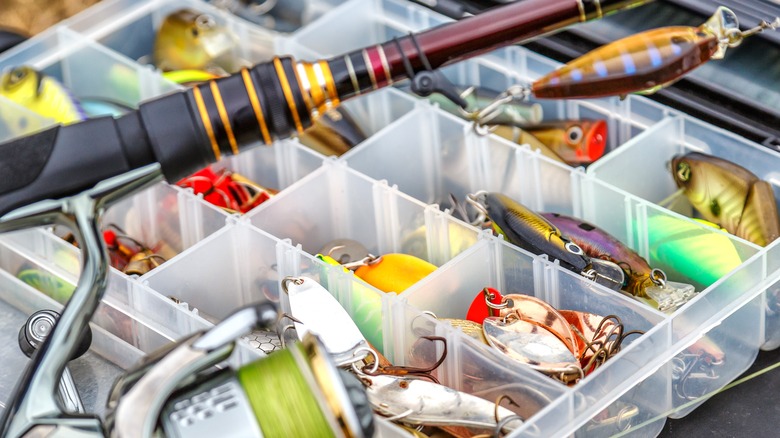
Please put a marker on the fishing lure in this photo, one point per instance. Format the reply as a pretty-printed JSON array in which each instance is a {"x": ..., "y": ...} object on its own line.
[
  {"x": 642, "y": 281},
  {"x": 189, "y": 40},
  {"x": 468, "y": 328},
  {"x": 646, "y": 62},
  {"x": 564, "y": 344},
  {"x": 227, "y": 190},
  {"x": 577, "y": 142},
  {"x": 41, "y": 94},
  {"x": 419, "y": 402},
  {"x": 728, "y": 195},
  {"x": 519, "y": 136},
  {"x": 699, "y": 255},
  {"x": 366, "y": 304},
  {"x": 527, "y": 343},
  {"x": 393, "y": 272},
  {"x": 47, "y": 283},
  {"x": 131, "y": 256},
  {"x": 189, "y": 77},
  {"x": 334, "y": 133},
  {"x": 316, "y": 311},
  {"x": 535, "y": 234},
  {"x": 94, "y": 107},
  {"x": 342, "y": 251}
]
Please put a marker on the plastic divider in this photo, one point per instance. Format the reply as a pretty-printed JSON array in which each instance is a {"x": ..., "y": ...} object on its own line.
[
  {"x": 336, "y": 202},
  {"x": 652, "y": 180}
]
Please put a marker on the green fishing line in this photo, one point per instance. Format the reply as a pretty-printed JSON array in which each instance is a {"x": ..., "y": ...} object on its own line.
[{"x": 281, "y": 399}]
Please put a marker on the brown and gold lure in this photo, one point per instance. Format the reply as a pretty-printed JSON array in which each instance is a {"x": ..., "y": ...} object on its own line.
[
  {"x": 728, "y": 195},
  {"x": 646, "y": 62}
]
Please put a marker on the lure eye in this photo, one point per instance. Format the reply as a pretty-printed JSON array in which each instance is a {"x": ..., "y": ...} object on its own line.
[
  {"x": 573, "y": 248},
  {"x": 574, "y": 135},
  {"x": 16, "y": 76},
  {"x": 195, "y": 32},
  {"x": 204, "y": 22},
  {"x": 683, "y": 171}
]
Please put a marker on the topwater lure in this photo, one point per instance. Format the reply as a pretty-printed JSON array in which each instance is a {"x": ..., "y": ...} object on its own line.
[
  {"x": 642, "y": 281},
  {"x": 728, "y": 195},
  {"x": 40, "y": 93},
  {"x": 646, "y": 62},
  {"x": 529, "y": 231},
  {"x": 577, "y": 142},
  {"x": 188, "y": 40},
  {"x": 574, "y": 142}
]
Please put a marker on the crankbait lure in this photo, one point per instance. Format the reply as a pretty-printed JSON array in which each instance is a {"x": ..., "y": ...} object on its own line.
[
  {"x": 394, "y": 272},
  {"x": 728, "y": 195},
  {"x": 700, "y": 255},
  {"x": 519, "y": 136},
  {"x": 39, "y": 93},
  {"x": 188, "y": 40},
  {"x": 642, "y": 281},
  {"x": 536, "y": 234},
  {"x": 47, "y": 283},
  {"x": 577, "y": 142},
  {"x": 646, "y": 62},
  {"x": 569, "y": 141}
]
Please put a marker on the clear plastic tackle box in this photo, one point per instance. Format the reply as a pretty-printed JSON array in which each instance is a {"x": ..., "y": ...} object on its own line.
[{"x": 385, "y": 193}]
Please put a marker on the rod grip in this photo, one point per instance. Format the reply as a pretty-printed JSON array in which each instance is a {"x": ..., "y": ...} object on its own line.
[{"x": 60, "y": 161}]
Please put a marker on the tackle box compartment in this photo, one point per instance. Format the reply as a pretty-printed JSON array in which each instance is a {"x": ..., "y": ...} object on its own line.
[{"x": 400, "y": 205}]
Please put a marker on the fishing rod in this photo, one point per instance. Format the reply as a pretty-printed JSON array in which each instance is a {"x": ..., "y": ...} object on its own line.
[
  {"x": 188, "y": 130},
  {"x": 70, "y": 174}
]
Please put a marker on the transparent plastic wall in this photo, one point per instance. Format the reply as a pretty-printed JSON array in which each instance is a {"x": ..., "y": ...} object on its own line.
[
  {"x": 393, "y": 194},
  {"x": 651, "y": 179}
]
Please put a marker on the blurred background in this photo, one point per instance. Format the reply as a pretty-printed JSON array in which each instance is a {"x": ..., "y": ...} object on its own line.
[{"x": 32, "y": 16}]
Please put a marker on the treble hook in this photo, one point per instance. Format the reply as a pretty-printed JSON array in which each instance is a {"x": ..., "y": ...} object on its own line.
[
  {"x": 402, "y": 371},
  {"x": 284, "y": 329},
  {"x": 475, "y": 199},
  {"x": 482, "y": 116}
]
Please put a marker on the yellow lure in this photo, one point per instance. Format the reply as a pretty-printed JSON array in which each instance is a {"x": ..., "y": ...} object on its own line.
[
  {"x": 39, "y": 93},
  {"x": 395, "y": 272}
]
